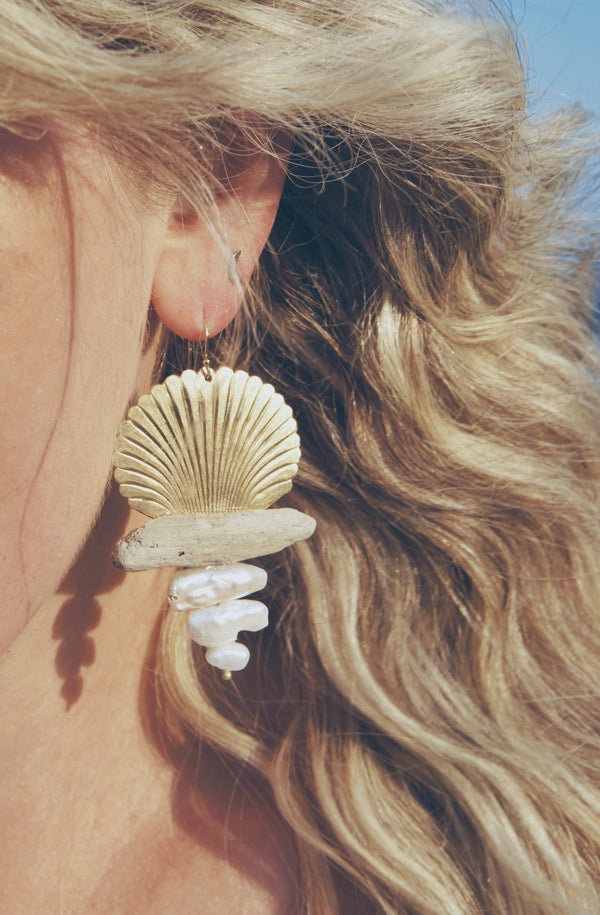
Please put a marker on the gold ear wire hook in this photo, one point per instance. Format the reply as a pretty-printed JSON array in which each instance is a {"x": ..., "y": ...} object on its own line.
[{"x": 205, "y": 368}]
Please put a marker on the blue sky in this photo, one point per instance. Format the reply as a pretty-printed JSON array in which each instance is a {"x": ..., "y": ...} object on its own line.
[{"x": 563, "y": 48}]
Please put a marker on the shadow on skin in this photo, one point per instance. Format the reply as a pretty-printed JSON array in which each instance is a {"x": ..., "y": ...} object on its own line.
[
  {"x": 222, "y": 805},
  {"x": 81, "y": 612}
]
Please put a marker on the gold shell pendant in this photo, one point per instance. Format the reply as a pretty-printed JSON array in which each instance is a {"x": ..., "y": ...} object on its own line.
[
  {"x": 203, "y": 457},
  {"x": 198, "y": 446}
]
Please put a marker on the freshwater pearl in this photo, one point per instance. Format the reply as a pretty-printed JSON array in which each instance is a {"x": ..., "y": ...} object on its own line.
[
  {"x": 191, "y": 589},
  {"x": 211, "y": 597},
  {"x": 232, "y": 656},
  {"x": 217, "y": 625}
]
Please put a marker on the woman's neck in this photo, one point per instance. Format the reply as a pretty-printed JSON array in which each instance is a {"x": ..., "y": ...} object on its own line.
[{"x": 87, "y": 804}]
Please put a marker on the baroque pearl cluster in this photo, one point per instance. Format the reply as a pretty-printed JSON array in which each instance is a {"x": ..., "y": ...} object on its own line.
[{"x": 212, "y": 597}]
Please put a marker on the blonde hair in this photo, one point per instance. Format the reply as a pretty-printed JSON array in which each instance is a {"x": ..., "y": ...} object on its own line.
[{"x": 424, "y": 707}]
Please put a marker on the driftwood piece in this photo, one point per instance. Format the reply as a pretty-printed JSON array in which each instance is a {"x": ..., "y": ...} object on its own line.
[{"x": 185, "y": 541}]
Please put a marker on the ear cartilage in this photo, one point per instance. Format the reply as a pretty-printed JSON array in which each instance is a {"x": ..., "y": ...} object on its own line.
[
  {"x": 232, "y": 271},
  {"x": 204, "y": 459}
]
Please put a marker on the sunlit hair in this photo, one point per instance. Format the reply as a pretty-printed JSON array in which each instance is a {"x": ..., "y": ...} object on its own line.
[{"x": 424, "y": 706}]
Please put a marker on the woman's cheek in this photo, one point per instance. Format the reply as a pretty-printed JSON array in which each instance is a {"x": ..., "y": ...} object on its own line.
[{"x": 74, "y": 295}]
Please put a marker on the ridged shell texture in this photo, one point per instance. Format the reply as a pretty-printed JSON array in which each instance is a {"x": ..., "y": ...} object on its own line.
[{"x": 193, "y": 445}]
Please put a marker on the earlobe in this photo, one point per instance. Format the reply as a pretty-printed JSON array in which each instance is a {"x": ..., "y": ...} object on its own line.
[
  {"x": 192, "y": 289},
  {"x": 199, "y": 279}
]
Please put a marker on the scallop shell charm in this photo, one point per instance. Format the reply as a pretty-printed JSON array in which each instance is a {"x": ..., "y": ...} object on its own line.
[{"x": 194, "y": 445}]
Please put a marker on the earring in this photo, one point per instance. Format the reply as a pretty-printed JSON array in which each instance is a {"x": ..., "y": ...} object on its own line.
[{"x": 204, "y": 455}]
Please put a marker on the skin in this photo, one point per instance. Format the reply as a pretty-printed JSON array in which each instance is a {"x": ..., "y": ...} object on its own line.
[{"x": 95, "y": 819}]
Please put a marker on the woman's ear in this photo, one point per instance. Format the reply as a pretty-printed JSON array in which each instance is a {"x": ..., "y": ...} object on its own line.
[{"x": 198, "y": 284}]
